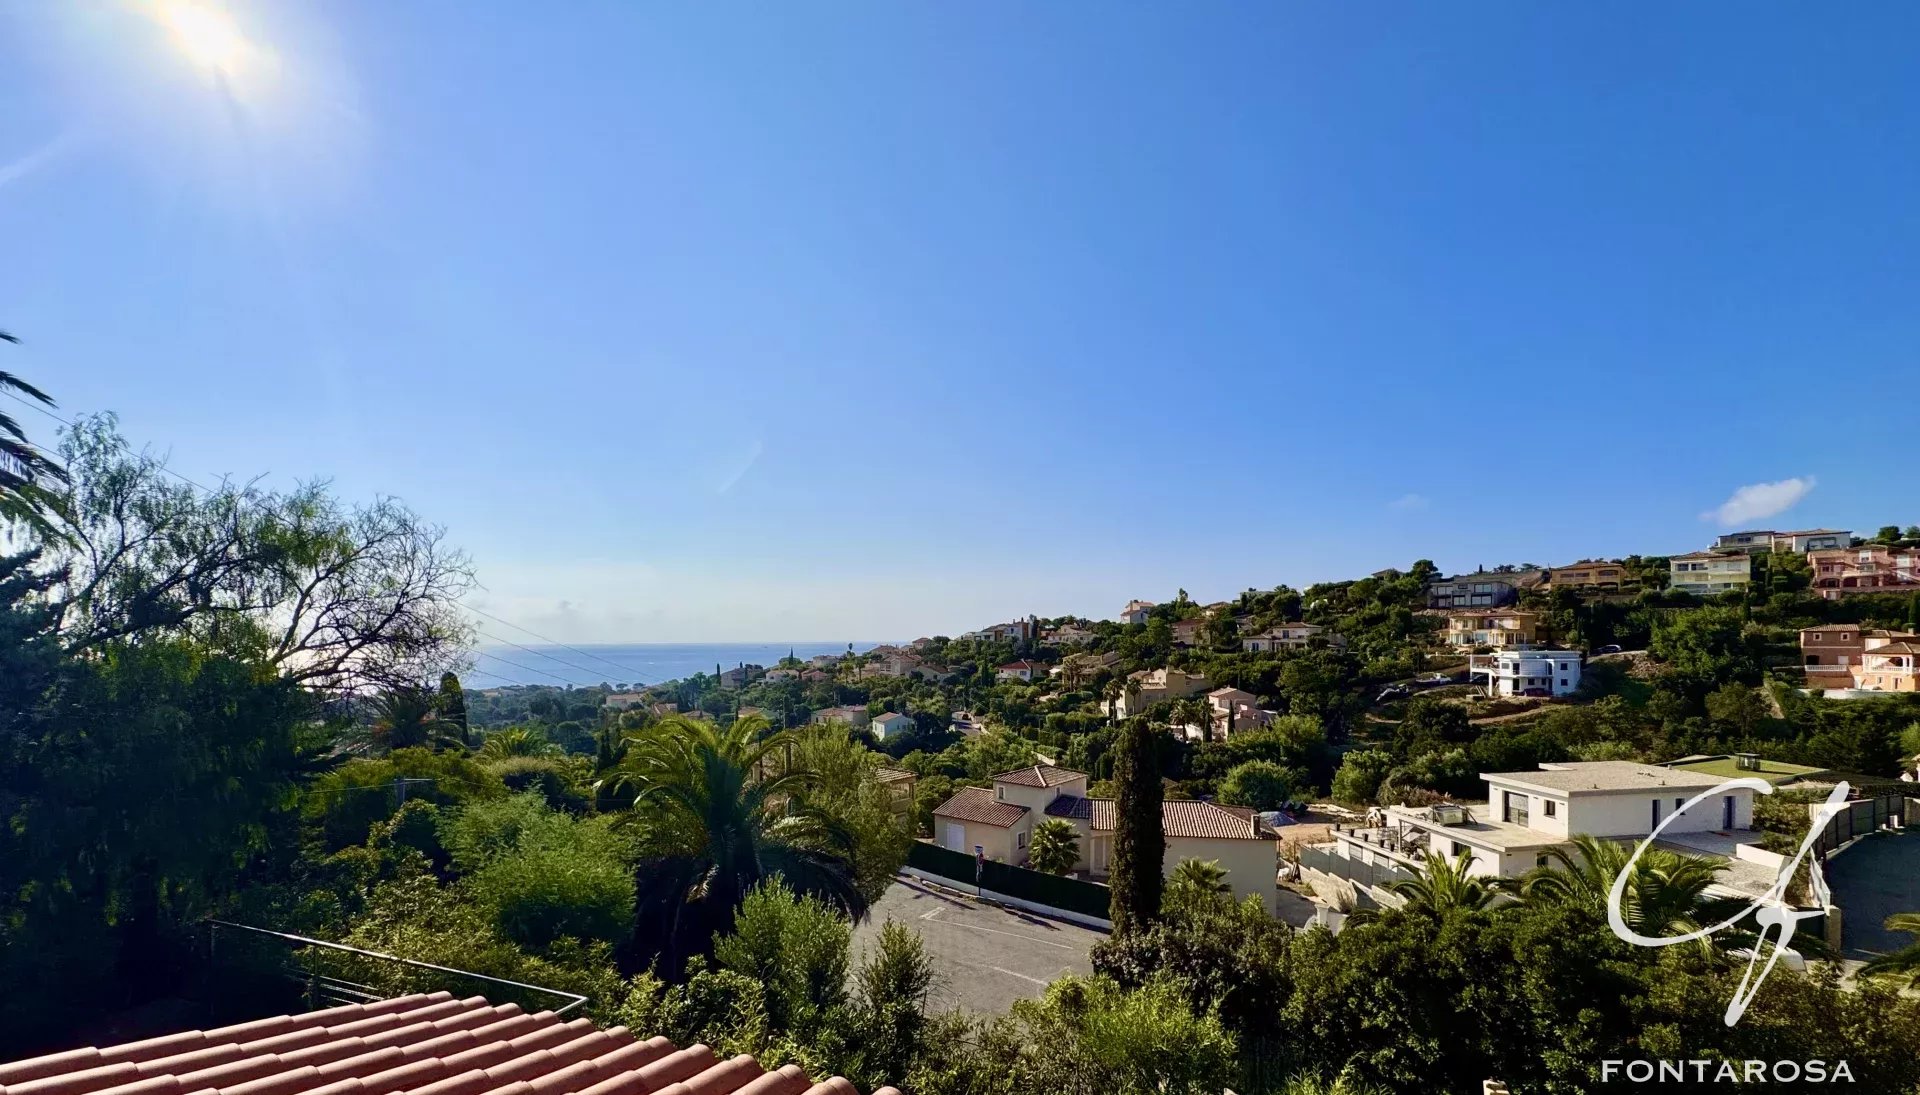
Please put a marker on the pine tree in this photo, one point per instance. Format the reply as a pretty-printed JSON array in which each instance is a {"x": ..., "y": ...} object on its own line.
[
  {"x": 1139, "y": 839},
  {"x": 453, "y": 706}
]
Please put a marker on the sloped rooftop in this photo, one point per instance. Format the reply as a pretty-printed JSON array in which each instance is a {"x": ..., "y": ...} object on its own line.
[
  {"x": 1040, "y": 775},
  {"x": 409, "y": 1045}
]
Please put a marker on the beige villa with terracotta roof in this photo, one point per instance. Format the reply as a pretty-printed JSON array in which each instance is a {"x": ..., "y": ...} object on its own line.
[
  {"x": 1491, "y": 627},
  {"x": 998, "y": 823}
]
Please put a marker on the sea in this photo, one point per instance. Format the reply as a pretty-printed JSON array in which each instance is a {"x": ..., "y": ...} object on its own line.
[{"x": 629, "y": 665}]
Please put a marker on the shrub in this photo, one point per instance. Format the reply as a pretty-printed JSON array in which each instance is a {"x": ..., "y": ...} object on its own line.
[
  {"x": 475, "y": 834},
  {"x": 344, "y": 805},
  {"x": 559, "y": 780},
  {"x": 565, "y": 878},
  {"x": 1261, "y": 784},
  {"x": 795, "y": 947}
]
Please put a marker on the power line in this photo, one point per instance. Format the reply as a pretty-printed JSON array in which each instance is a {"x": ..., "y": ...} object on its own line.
[
  {"x": 522, "y": 668},
  {"x": 625, "y": 671}
]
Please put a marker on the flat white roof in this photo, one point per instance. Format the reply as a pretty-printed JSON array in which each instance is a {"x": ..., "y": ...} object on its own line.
[
  {"x": 1606, "y": 777},
  {"x": 1499, "y": 835}
]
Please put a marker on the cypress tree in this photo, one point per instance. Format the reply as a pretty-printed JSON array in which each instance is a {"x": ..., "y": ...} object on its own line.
[
  {"x": 453, "y": 705},
  {"x": 1139, "y": 839}
]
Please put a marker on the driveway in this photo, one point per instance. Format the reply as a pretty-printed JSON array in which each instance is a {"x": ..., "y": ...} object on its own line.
[
  {"x": 1871, "y": 881},
  {"x": 986, "y": 956}
]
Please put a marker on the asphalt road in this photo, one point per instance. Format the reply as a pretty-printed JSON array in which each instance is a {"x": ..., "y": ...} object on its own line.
[
  {"x": 1871, "y": 881},
  {"x": 987, "y": 956}
]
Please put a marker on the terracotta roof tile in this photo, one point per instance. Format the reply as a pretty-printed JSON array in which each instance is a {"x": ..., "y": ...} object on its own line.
[
  {"x": 410, "y": 1045},
  {"x": 1178, "y": 817},
  {"x": 978, "y": 804},
  {"x": 1040, "y": 775}
]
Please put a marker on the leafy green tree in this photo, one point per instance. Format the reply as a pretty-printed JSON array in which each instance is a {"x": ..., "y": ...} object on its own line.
[
  {"x": 1887, "y": 534},
  {"x": 1360, "y": 775},
  {"x": 452, "y": 705},
  {"x": 1738, "y": 708},
  {"x": 796, "y": 947},
  {"x": 1139, "y": 841},
  {"x": 892, "y": 989},
  {"x": 710, "y": 829},
  {"x": 1089, "y": 1036},
  {"x": 1261, "y": 784},
  {"x": 1431, "y": 723},
  {"x": 134, "y": 791},
  {"x": 563, "y": 878},
  {"x": 1055, "y": 846},
  {"x": 847, "y": 795},
  {"x": 331, "y": 596}
]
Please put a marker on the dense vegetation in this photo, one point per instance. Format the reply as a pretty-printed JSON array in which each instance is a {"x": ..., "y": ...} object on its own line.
[{"x": 240, "y": 703}]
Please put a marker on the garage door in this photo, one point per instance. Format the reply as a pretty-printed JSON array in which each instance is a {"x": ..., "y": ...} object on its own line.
[{"x": 956, "y": 837}]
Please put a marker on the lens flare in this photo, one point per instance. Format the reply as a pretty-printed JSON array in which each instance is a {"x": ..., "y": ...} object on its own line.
[{"x": 206, "y": 35}]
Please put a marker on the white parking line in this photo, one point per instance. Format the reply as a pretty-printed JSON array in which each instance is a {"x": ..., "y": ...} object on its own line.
[
  {"x": 997, "y": 931},
  {"x": 1021, "y": 976}
]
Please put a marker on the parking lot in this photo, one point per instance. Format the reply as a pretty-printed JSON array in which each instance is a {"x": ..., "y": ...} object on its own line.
[{"x": 987, "y": 956}]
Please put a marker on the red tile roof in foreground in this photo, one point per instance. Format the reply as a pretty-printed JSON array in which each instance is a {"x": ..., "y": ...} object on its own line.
[{"x": 410, "y": 1045}]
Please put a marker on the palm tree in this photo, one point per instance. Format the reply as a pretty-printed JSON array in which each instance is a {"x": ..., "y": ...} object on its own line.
[
  {"x": 517, "y": 741},
  {"x": 23, "y": 494},
  {"x": 1197, "y": 884},
  {"x": 1444, "y": 885},
  {"x": 1111, "y": 692},
  {"x": 1055, "y": 846},
  {"x": 1667, "y": 894},
  {"x": 715, "y": 814},
  {"x": 408, "y": 717},
  {"x": 1904, "y": 962}
]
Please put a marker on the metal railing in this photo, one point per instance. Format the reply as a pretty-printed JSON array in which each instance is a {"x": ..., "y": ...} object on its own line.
[{"x": 323, "y": 988}]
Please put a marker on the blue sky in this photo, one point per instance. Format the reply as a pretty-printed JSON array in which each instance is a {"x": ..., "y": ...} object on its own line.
[{"x": 830, "y": 321}]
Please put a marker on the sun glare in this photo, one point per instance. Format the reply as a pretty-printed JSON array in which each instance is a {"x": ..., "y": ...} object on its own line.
[{"x": 205, "y": 34}]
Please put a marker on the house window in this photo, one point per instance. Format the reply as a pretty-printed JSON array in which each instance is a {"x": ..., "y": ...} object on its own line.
[
  {"x": 1551, "y": 807},
  {"x": 1460, "y": 849},
  {"x": 1022, "y": 839},
  {"x": 1000, "y": 794}
]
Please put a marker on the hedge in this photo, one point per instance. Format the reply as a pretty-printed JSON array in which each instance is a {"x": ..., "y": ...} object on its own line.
[{"x": 1055, "y": 891}]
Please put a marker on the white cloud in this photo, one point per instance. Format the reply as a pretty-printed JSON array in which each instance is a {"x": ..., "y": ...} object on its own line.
[
  {"x": 1409, "y": 502},
  {"x": 1757, "y": 500}
]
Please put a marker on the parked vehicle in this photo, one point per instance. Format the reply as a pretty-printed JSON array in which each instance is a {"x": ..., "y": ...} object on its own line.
[{"x": 1610, "y": 648}]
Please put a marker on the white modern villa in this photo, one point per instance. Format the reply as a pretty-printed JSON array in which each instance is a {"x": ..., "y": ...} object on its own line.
[
  {"x": 1527, "y": 813},
  {"x": 1528, "y": 671}
]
